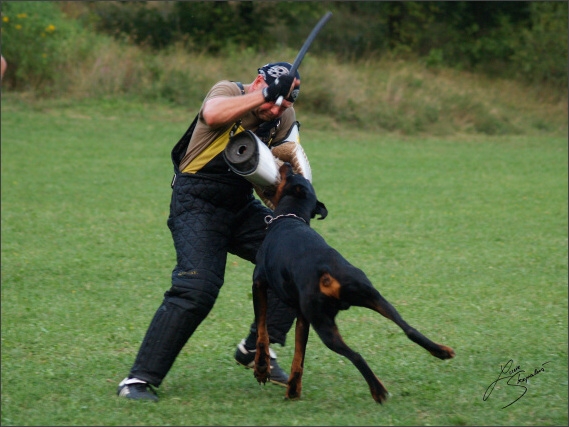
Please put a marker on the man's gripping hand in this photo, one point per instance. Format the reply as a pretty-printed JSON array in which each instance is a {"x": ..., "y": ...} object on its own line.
[{"x": 280, "y": 87}]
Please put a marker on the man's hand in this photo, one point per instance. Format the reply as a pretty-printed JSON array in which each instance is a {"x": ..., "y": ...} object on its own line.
[{"x": 280, "y": 87}]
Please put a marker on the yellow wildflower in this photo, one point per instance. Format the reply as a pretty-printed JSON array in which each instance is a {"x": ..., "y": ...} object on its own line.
[
  {"x": 50, "y": 28},
  {"x": 18, "y": 27},
  {"x": 22, "y": 15},
  {"x": 5, "y": 19}
]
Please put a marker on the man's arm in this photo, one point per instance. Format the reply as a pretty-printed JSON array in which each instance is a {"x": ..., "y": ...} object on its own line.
[{"x": 222, "y": 110}]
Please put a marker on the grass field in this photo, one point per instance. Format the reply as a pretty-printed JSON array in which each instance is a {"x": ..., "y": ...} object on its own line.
[{"x": 466, "y": 236}]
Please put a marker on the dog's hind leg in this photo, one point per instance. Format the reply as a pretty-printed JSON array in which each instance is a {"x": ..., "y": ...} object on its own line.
[
  {"x": 262, "y": 356},
  {"x": 328, "y": 332},
  {"x": 302, "y": 330}
]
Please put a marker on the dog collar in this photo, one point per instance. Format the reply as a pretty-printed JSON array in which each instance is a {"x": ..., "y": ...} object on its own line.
[{"x": 269, "y": 219}]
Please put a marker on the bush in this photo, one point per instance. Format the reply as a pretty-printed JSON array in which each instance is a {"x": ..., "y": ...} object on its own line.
[
  {"x": 138, "y": 22},
  {"x": 207, "y": 26},
  {"x": 37, "y": 40},
  {"x": 540, "y": 54}
]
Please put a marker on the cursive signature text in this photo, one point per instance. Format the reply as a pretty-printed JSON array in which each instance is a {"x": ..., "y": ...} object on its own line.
[{"x": 513, "y": 377}]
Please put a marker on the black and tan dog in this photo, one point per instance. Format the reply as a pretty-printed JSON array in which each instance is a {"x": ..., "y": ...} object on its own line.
[{"x": 308, "y": 274}]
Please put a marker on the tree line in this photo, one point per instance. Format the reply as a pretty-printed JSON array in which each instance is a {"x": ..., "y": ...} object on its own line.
[
  {"x": 508, "y": 39},
  {"x": 503, "y": 38}
]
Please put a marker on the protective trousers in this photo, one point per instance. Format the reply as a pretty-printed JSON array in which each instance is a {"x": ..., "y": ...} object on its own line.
[{"x": 209, "y": 217}]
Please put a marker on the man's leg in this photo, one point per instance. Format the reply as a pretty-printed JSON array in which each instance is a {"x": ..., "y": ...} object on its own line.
[
  {"x": 172, "y": 326},
  {"x": 181, "y": 312},
  {"x": 201, "y": 257},
  {"x": 169, "y": 330}
]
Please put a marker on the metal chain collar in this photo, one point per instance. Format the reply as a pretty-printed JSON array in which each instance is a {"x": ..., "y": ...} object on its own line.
[{"x": 269, "y": 219}]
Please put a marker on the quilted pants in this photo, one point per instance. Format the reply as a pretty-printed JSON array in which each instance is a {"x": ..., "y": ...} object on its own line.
[{"x": 209, "y": 217}]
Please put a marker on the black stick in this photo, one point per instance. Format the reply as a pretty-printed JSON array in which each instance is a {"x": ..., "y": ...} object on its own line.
[{"x": 305, "y": 47}]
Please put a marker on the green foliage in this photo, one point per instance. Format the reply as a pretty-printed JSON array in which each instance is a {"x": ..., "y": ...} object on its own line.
[
  {"x": 355, "y": 84},
  {"x": 465, "y": 236},
  {"x": 540, "y": 53},
  {"x": 503, "y": 39},
  {"x": 203, "y": 26},
  {"x": 476, "y": 35},
  {"x": 435, "y": 58},
  {"x": 234, "y": 23},
  {"x": 136, "y": 21},
  {"x": 37, "y": 42}
]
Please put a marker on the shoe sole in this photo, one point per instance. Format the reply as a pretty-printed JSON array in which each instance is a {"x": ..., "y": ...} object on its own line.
[
  {"x": 148, "y": 398},
  {"x": 278, "y": 383}
]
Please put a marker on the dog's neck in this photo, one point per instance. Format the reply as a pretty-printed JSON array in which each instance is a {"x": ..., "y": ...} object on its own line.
[
  {"x": 292, "y": 207},
  {"x": 269, "y": 219}
]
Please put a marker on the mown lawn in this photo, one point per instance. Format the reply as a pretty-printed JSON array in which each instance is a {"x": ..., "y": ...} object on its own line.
[{"x": 466, "y": 236}]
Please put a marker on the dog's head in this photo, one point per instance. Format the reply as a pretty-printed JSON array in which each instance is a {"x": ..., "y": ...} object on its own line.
[{"x": 295, "y": 194}]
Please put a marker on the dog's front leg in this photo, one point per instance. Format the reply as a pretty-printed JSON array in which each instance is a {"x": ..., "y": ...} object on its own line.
[
  {"x": 294, "y": 388},
  {"x": 262, "y": 356}
]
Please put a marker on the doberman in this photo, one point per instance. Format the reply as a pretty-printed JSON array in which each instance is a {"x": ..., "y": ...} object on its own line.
[{"x": 308, "y": 274}]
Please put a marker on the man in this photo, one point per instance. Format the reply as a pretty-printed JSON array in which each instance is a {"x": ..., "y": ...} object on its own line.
[{"x": 213, "y": 211}]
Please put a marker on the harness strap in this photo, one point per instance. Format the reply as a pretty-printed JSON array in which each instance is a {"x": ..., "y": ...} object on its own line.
[{"x": 240, "y": 86}]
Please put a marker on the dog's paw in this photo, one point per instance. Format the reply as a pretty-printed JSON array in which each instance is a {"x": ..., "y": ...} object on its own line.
[
  {"x": 262, "y": 374},
  {"x": 294, "y": 389},
  {"x": 379, "y": 392},
  {"x": 292, "y": 394},
  {"x": 261, "y": 377},
  {"x": 443, "y": 352},
  {"x": 380, "y": 398}
]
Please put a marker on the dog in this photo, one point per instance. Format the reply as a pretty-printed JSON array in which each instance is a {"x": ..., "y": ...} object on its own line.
[{"x": 314, "y": 278}]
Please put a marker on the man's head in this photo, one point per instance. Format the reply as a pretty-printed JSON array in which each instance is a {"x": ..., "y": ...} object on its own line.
[{"x": 267, "y": 74}]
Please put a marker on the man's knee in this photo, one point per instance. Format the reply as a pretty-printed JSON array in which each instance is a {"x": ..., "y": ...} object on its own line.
[{"x": 193, "y": 295}]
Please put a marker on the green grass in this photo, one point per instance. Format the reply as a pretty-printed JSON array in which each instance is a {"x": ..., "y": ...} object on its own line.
[{"x": 466, "y": 236}]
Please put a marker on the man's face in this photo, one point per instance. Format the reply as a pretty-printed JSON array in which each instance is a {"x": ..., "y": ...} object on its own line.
[{"x": 269, "y": 110}]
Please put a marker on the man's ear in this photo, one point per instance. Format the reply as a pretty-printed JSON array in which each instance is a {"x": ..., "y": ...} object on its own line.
[
  {"x": 258, "y": 82},
  {"x": 320, "y": 210}
]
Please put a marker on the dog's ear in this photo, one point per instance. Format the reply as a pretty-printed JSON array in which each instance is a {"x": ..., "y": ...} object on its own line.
[{"x": 320, "y": 209}]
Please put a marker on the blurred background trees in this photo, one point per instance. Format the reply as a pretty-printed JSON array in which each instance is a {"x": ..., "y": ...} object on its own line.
[
  {"x": 515, "y": 39},
  {"x": 410, "y": 67},
  {"x": 504, "y": 38}
]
